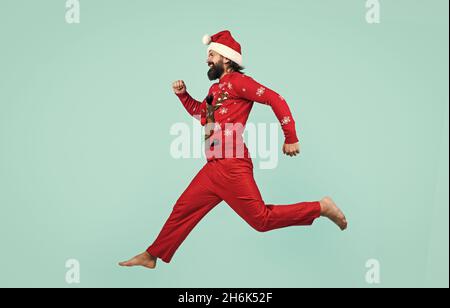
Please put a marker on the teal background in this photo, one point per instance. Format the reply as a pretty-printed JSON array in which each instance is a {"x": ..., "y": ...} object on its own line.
[{"x": 85, "y": 170}]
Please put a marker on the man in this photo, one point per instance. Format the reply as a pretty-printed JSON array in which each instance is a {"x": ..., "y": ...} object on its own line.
[{"x": 228, "y": 174}]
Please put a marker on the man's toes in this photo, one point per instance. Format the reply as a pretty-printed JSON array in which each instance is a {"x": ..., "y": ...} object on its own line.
[{"x": 126, "y": 263}]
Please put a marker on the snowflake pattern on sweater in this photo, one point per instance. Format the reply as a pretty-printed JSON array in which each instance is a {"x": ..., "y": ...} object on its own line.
[
  {"x": 285, "y": 121},
  {"x": 223, "y": 111},
  {"x": 260, "y": 91}
]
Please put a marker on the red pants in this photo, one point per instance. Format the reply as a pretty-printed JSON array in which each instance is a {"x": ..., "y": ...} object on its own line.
[{"x": 230, "y": 180}]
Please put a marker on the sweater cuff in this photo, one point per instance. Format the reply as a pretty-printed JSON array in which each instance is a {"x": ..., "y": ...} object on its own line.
[
  {"x": 290, "y": 133},
  {"x": 182, "y": 95},
  {"x": 291, "y": 139}
]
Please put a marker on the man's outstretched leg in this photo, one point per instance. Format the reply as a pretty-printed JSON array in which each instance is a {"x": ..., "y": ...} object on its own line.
[
  {"x": 197, "y": 200},
  {"x": 235, "y": 184}
]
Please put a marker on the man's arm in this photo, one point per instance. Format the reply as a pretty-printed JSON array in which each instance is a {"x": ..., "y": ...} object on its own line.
[
  {"x": 251, "y": 90},
  {"x": 192, "y": 106}
]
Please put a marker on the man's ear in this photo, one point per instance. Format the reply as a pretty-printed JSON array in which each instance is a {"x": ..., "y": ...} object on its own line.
[{"x": 226, "y": 60}]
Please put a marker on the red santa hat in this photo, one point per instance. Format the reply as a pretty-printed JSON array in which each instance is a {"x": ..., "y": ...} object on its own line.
[{"x": 224, "y": 44}]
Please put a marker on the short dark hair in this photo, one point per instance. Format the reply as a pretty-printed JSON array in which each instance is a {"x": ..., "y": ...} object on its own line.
[{"x": 236, "y": 67}]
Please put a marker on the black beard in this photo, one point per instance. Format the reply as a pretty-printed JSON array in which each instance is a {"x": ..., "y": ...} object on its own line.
[{"x": 216, "y": 71}]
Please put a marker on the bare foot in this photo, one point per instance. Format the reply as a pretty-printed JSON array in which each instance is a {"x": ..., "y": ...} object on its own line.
[
  {"x": 331, "y": 211},
  {"x": 144, "y": 259}
]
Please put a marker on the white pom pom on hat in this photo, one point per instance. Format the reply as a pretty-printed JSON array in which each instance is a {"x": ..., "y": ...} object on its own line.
[{"x": 206, "y": 39}]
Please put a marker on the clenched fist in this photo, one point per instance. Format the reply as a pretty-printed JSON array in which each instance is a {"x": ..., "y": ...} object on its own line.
[
  {"x": 291, "y": 149},
  {"x": 179, "y": 87}
]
